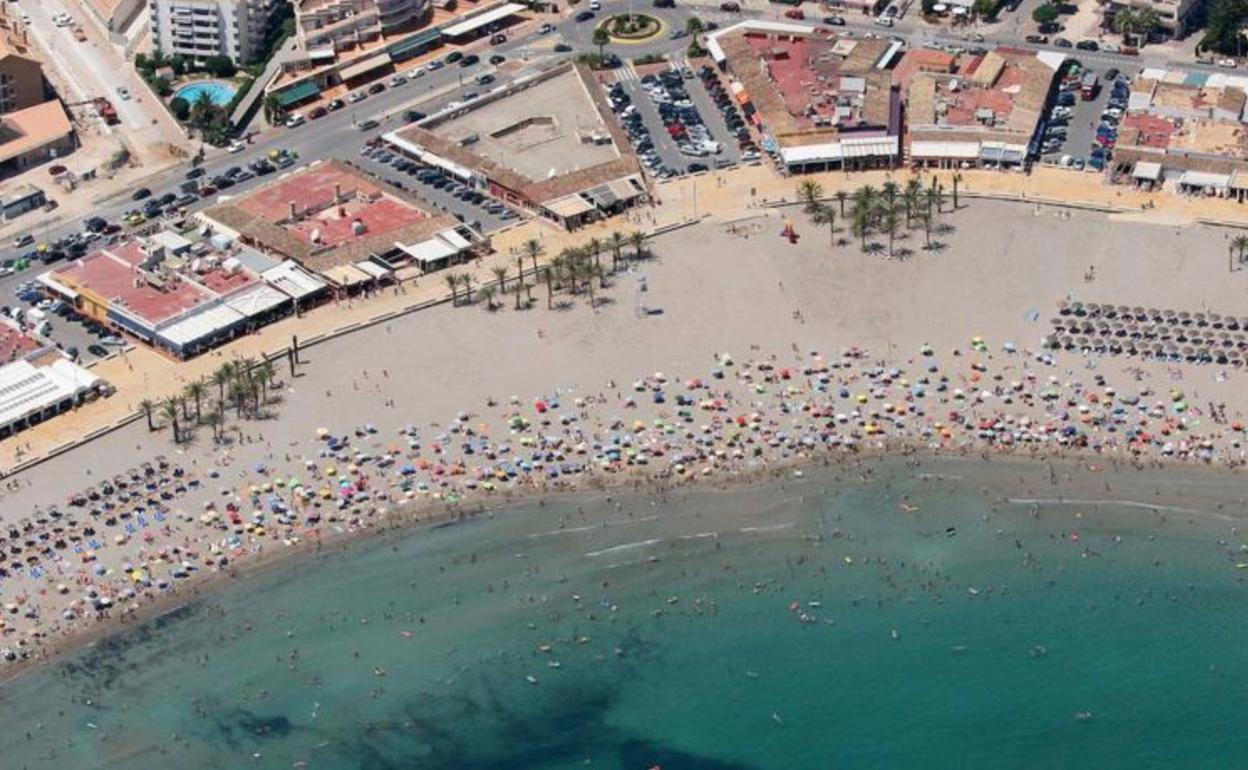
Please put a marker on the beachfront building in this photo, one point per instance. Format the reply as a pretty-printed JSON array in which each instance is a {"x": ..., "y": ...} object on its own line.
[
  {"x": 35, "y": 135},
  {"x": 976, "y": 110},
  {"x": 1184, "y": 131},
  {"x": 820, "y": 101},
  {"x": 200, "y": 29},
  {"x": 547, "y": 144},
  {"x": 349, "y": 228},
  {"x": 22, "y": 84},
  {"x": 38, "y": 381},
  {"x": 353, "y": 42},
  {"x": 179, "y": 295}
]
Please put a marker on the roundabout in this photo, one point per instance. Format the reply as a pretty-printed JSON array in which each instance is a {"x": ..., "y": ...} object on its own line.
[{"x": 631, "y": 28}]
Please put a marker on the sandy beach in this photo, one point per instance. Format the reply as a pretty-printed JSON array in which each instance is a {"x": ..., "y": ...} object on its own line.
[{"x": 729, "y": 354}]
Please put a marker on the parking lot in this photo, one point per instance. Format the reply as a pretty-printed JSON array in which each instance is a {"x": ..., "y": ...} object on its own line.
[
  {"x": 51, "y": 320},
  {"x": 439, "y": 190},
  {"x": 1081, "y": 133},
  {"x": 679, "y": 121}
]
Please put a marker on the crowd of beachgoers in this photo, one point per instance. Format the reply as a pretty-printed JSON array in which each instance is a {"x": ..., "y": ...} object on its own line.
[{"x": 140, "y": 539}]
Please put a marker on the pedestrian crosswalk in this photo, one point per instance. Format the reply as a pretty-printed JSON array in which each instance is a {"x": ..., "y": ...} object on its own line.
[{"x": 626, "y": 74}]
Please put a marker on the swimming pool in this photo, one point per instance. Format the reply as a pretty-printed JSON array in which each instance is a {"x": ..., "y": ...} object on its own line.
[{"x": 220, "y": 93}]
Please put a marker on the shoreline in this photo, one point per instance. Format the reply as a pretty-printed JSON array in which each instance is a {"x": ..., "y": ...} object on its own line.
[{"x": 433, "y": 515}]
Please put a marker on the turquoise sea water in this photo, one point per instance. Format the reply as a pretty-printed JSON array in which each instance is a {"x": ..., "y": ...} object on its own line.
[
  {"x": 967, "y": 633},
  {"x": 220, "y": 93}
]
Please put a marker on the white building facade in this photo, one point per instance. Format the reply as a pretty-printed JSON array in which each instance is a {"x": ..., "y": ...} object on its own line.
[{"x": 199, "y": 29}]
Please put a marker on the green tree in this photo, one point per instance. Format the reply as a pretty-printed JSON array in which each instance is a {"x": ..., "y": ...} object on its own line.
[
  {"x": 601, "y": 38},
  {"x": 220, "y": 66},
  {"x": 487, "y": 293},
  {"x": 178, "y": 63},
  {"x": 180, "y": 108},
  {"x": 500, "y": 274},
  {"x": 272, "y": 108},
  {"x": 809, "y": 193},
  {"x": 985, "y": 9},
  {"x": 889, "y": 221},
  {"x": 826, "y": 215},
  {"x": 1222, "y": 32},
  {"x": 694, "y": 25},
  {"x": 1045, "y": 14},
  {"x": 637, "y": 239},
  {"x": 616, "y": 242},
  {"x": 533, "y": 248},
  {"x": 148, "y": 406},
  {"x": 452, "y": 283}
]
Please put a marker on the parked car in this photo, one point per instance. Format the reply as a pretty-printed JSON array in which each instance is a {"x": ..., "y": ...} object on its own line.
[
  {"x": 794, "y": 13},
  {"x": 498, "y": 39},
  {"x": 730, "y": 7},
  {"x": 1088, "y": 45},
  {"x": 453, "y": 57},
  {"x": 294, "y": 121},
  {"x": 497, "y": 58},
  {"x": 317, "y": 113},
  {"x": 355, "y": 97},
  {"x": 334, "y": 105},
  {"x": 1062, "y": 42},
  {"x": 377, "y": 88},
  {"x": 1037, "y": 39},
  {"x": 834, "y": 21},
  {"x": 140, "y": 194}
]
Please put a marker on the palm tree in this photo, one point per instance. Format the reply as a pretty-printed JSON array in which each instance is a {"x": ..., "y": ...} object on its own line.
[
  {"x": 148, "y": 406},
  {"x": 452, "y": 283},
  {"x": 591, "y": 270},
  {"x": 215, "y": 418},
  {"x": 222, "y": 377},
  {"x": 1146, "y": 19},
  {"x": 889, "y": 222},
  {"x": 841, "y": 195},
  {"x": 272, "y": 108},
  {"x": 890, "y": 191},
  {"x": 956, "y": 178},
  {"x": 264, "y": 377},
  {"x": 487, "y": 293},
  {"x": 865, "y": 198},
  {"x": 466, "y": 280},
  {"x": 927, "y": 229},
  {"x": 862, "y": 223},
  {"x": 500, "y": 274},
  {"x": 533, "y": 248},
  {"x": 616, "y": 242},
  {"x": 637, "y": 239},
  {"x": 169, "y": 413},
  {"x": 931, "y": 198},
  {"x": 809, "y": 193},
  {"x": 1239, "y": 244},
  {"x": 914, "y": 191},
  {"x": 519, "y": 267},
  {"x": 826, "y": 215},
  {"x": 548, "y": 277},
  {"x": 594, "y": 247},
  {"x": 518, "y": 287},
  {"x": 195, "y": 392},
  {"x": 600, "y": 38}
]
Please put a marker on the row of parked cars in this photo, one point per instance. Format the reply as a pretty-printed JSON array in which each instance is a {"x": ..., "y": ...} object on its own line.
[
  {"x": 436, "y": 179},
  {"x": 36, "y": 318},
  {"x": 727, "y": 107}
]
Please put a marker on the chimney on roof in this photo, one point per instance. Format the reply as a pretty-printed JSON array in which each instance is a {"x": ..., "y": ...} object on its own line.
[
  {"x": 337, "y": 192},
  {"x": 293, "y": 213}
]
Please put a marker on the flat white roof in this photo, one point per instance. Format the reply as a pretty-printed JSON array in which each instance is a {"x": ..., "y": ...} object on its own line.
[
  {"x": 481, "y": 19},
  {"x": 1204, "y": 179},
  {"x": 961, "y": 150},
  {"x": 812, "y": 153},
  {"x": 171, "y": 241},
  {"x": 26, "y": 389},
  {"x": 211, "y": 320},
  {"x": 293, "y": 280},
  {"x": 256, "y": 299},
  {"x": 421, "y": 154},
  {"x": 1147, "y": 170}
]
